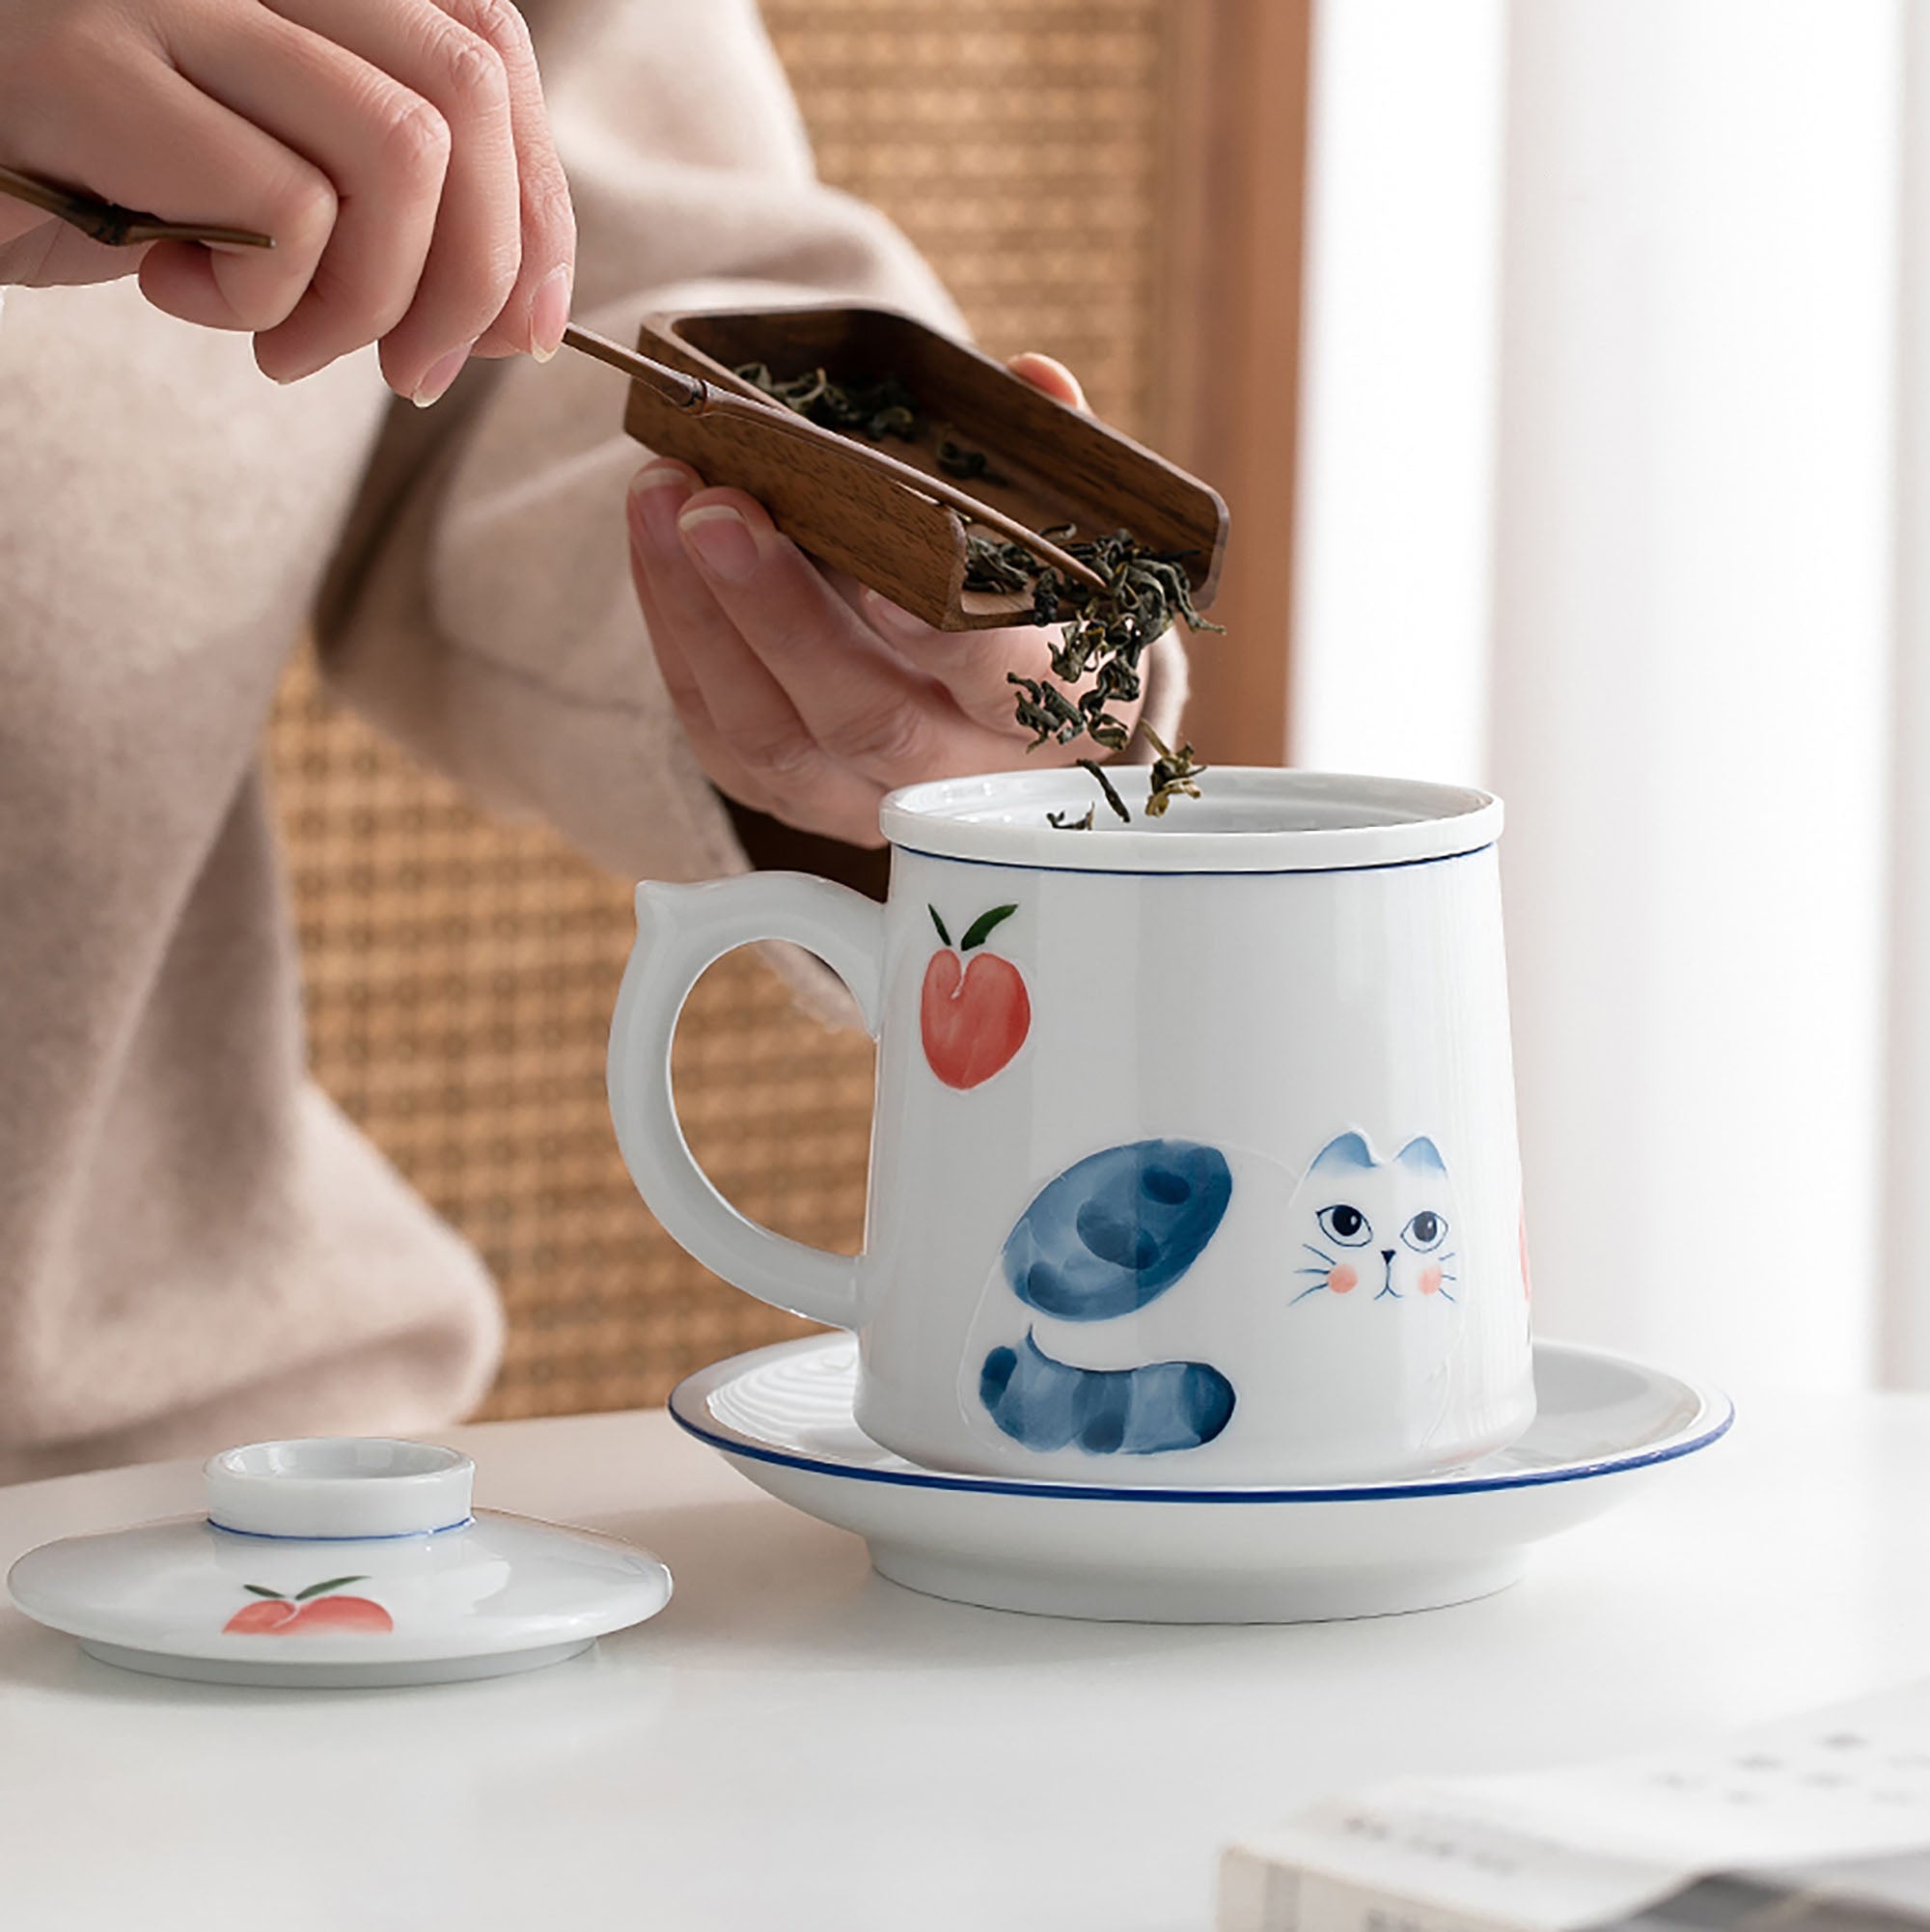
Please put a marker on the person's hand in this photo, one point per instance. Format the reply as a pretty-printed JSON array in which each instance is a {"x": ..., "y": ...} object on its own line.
[
  {"x": 398, "y": 151},
  {"x": 806, "y": 699}
]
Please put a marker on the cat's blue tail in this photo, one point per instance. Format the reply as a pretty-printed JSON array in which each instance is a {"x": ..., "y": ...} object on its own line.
[{"x": 1049, "y": 1405}]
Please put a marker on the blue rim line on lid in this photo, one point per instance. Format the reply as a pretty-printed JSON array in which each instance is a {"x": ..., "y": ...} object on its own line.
[
  {"x": 1723, "y": 1410},
  {"x": 381, "y": 1536}
]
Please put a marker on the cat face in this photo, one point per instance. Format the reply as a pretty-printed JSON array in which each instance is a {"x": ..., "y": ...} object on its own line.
[{"x": 1379, "y": 1230}]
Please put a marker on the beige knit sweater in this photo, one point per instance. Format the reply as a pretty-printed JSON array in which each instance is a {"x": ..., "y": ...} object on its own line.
[{"x": 195, "y": 1246}]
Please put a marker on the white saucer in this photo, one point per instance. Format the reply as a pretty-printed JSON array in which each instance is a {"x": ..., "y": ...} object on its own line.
[
  {"x": 1606, "y": 1427},
  {"x": 357, "y": 1563}
]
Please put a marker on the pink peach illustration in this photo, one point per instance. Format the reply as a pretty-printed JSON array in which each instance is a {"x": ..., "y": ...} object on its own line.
[
  {"x": 315, "y": 1608},
  {"x": 974, "y": 1012}
]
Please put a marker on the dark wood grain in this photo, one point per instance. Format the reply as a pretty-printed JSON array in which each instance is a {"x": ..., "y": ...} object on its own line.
[
  {"x": 1233, "y": 184},
  {"x": 1051, "y": 465}
]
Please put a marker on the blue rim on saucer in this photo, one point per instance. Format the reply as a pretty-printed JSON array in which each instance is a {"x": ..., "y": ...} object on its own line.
[{"x": 1688, "y": 1416}]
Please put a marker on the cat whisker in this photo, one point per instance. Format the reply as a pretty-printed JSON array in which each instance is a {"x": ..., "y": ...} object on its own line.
[
  {"x": 1318, "y": 1288},
  {"x": 1445, "y": 1295},
  {"x": 1321, "y": 1252},
  {"x": 1314, "y": 1271}
]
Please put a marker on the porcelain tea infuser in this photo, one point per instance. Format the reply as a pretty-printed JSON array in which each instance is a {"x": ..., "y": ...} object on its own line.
[
  {"x": 1605, "y": 1428},
  {"x": 339, "y": 1561}
]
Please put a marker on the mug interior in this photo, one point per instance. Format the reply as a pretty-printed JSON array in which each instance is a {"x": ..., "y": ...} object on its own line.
[{"x": 1248, "y": 818}]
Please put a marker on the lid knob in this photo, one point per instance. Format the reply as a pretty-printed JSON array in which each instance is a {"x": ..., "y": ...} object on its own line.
[{"x": 339, "y": 1486}]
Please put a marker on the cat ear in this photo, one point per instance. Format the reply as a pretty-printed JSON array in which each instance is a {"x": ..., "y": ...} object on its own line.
[
  {"x": 1422, "y": 1154},
  {"x": 1344, "y": 1150}
]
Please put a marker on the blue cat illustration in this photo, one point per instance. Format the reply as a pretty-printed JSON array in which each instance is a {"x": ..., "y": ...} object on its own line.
[
  {"x": 1101, "y": 1241},
  {"x": 1332, "y": 1293}
]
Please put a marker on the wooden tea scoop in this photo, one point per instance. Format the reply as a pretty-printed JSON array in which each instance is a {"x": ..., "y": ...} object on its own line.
[
  {"x": 119, "y": 227},
  {"x": 695, "y": 396},
  {"x": 900, "y": 524}
]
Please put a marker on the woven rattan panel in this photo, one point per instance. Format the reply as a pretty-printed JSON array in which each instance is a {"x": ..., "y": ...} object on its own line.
[
  {"x": 459, "y": 980},
  {"x": 461, "y": 974},
  {"x": 1017, "y": 142}
]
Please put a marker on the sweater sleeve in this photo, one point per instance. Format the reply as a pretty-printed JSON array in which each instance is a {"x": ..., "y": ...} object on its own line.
[{"x": 481, "y": 607}]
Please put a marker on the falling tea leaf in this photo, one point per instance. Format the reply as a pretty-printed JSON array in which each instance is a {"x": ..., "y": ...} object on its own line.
[{"x": 1113, "y": 798}]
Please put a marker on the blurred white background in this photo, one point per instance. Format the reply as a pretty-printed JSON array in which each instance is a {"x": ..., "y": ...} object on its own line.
[{"x": 1614, "y": 478}]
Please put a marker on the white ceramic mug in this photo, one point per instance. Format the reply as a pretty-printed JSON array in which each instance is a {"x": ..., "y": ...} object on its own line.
[{"x": 1194, "y": 1156}]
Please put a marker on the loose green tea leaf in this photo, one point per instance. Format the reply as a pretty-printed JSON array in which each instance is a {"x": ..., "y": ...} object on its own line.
[
  {"x": 1046, "y": 710},
  {"x": 1106, "y": 633},
  {"x": 1060, "y": 821},
  {"x": 881, "y": 410},
  {"x": 1113, "y": 798},
  {"x": 959, "y": 459},
  {"x": 1172, "y": 775}
]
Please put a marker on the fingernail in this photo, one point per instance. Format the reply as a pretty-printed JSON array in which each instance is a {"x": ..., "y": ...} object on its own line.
[
  {"x": 440, "y": 375},
  {"x": 659, "y": 491},
  {"x": 895, "y": 620},
  {"x": 549, "y": 315},
  {"x": 721, "y": 539}
]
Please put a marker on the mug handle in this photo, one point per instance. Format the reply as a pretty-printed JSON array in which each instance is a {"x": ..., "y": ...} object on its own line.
[{"x": 681, "y": 931}]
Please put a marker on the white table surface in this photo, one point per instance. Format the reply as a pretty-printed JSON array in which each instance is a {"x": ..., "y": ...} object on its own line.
[{"x": 795, "y": 1743}]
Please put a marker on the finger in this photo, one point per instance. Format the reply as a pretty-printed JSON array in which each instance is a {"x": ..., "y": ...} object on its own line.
[
  {"x": 671, "y": 484},
  {"x": 382, "y": 146},
  {"x": 536, "y": 310},
  {"x": 48, "y": 254},
  {"x": 715, "y": 760},
  {"x": 476, "y": 253},
  {"x": 16, "y": 219},
  {"x": 713, "y": 756},
  {"x": 1049, "y": 374},
  {"x": 709, "y": 665},
  {"x": 148, "y": 138},
  {"x": 859, "y": 702},
  {"x": 975, "y": 666}
]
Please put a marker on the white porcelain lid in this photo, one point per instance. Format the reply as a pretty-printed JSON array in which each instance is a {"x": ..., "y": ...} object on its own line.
[{"x": 379, "y": 1574}]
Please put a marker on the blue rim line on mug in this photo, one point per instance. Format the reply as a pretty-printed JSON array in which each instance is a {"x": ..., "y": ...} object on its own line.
[{"x": 1188, "y": 872}]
